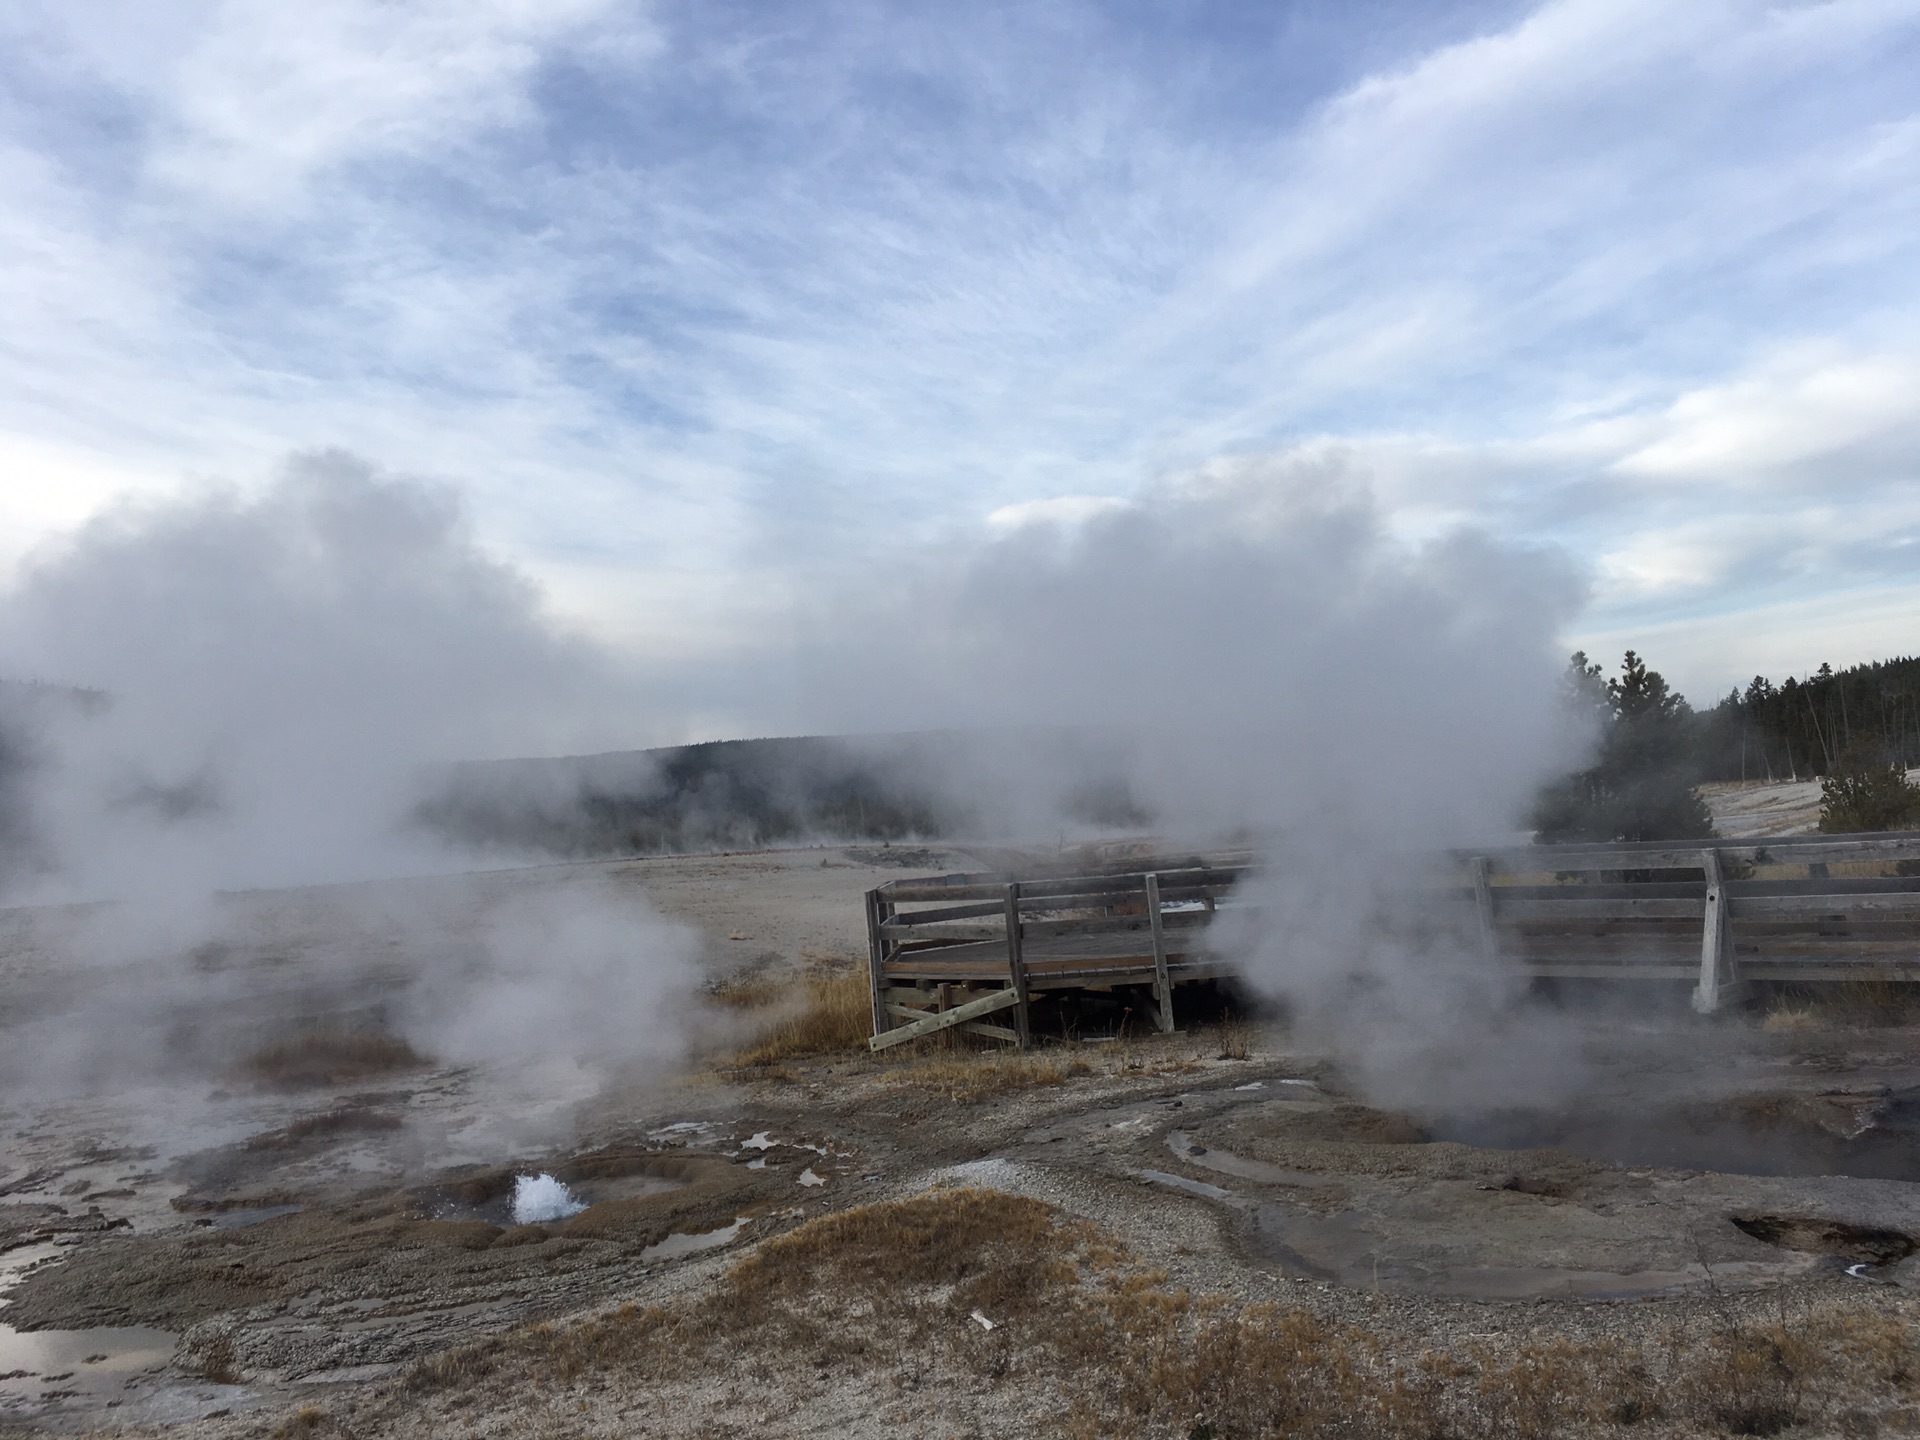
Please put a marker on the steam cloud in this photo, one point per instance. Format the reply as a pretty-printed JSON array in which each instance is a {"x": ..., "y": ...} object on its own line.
[
  {"x": 1252, "y": 649},
  {"x": 248, "y": 691},
  {"x": 1277, "y": 667}
]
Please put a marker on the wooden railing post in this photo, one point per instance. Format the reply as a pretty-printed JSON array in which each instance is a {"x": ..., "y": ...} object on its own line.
[
  {"x": 1017, "y": 967},
  {"x": 1162, "y": 982},
  {"x": 1483, "y": 907},
  {"x": 876, "y": 961},
  {"x": 1718, "y": 979}
]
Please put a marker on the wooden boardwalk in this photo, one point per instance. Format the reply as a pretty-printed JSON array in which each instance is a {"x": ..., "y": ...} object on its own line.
[{"x": 974, "y": 951}]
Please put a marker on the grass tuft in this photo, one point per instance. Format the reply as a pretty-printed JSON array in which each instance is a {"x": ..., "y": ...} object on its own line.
[
  {"x": 1236, "y": 1039},
  {"x": 302, "y": 1422},
  {"x": 827, "y": 1011},
  {"x": 967, "y": 1078}
]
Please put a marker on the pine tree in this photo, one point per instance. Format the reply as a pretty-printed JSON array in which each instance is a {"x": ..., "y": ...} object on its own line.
[
  {"x": 1867, "y": 791},
  {"x": 1641, "y": 784}
]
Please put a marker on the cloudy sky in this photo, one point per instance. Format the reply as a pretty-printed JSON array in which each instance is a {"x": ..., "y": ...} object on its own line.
[{"x": 701, "y": 302}]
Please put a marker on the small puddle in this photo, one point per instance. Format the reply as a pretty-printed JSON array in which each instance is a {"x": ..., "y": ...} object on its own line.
[
  {"x": 253, "y": 1215},
  {"x": 1191, "y": 1187},
  {"x": 675, "y": 1246},
  {"x": 39, "y": 1367},
  {"x": 1227, "y": 1163}
]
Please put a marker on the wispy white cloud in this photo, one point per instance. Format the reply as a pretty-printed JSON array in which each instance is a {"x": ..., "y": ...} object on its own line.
[{"x": 697, "y": 299}]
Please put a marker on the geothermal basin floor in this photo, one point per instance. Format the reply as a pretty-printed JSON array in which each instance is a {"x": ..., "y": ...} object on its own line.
[{"x": 204, "y": 1256}]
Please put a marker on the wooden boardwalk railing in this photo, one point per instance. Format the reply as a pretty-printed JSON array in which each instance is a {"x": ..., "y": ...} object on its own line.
[
  {"x": 1802, "y": 910},
  {"x": 952, "y": 950}
]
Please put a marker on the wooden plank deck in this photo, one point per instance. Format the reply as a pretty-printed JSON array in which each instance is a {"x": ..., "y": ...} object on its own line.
[{"x": 1812, "y": 909}]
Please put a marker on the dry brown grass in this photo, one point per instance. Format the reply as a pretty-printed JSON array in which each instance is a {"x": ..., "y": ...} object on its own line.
[
  {"x": 1858, "y": 1004},
  {"x": 302, "y": 1422},
  {"x": 328, "y": 1057},
  {"x": 1236, "y": 1040},
  {"x": 1076, "y": 1315},
  {"x": 1793, "y": 1020},
  {"x": 827, "y": 1011},
  {"x": 967, "y": 1078}
]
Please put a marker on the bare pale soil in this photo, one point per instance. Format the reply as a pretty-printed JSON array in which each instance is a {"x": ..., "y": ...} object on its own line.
[{"x": 1208, "y": 1234}]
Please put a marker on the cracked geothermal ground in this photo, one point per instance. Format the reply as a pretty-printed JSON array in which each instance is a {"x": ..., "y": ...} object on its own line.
[{"x": 1212, "y": 1233}]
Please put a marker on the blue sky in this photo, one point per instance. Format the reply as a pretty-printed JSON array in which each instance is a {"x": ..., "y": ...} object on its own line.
[{"x": 700, "y": 303}]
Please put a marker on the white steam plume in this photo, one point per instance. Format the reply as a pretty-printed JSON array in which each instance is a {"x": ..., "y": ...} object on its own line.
[
  {"x": 1280, "y": 668},
  {"x": 267, "y": 676}
]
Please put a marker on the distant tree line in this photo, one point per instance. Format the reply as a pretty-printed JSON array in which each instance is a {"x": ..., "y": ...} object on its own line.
[
  {"x": 1823, "y": 725},
  {"x": 1856, "y": 730}
]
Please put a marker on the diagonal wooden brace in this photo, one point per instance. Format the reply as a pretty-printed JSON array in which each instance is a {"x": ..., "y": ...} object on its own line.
[{"x": 933, "y": 1024}]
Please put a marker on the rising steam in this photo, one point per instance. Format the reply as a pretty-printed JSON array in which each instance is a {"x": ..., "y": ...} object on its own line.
[
  {"x": 252, "y": 689},
  {"x": 1277, "y": 668},
  {"x": 244, "y": 691}
]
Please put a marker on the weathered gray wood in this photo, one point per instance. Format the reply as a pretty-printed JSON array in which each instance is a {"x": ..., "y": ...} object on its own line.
[
  {"x": 1696, "y": 890},
  {"x": 1578, "y": 907},
  {"x": 876, "y": 960},
  {"x": 1717, "y": 974},
  {"x": 903, "y": 919},
  {"x": 1892, "y": 905},
  {"x": 985, "y": 887},
  {"x": 983, "y": 956},
  {"x": 1483, "y": 907},
  {"x": 1032, "y": 930},
  {"x": 971, "y": 1027},
  {"x": 1049, "y": 929},
  {"x": 1826, "y": 971},
  {"x": 988, "y": 959},
  {"x": 991, "y": 1032},
  {"x": 1081, "y": 931},
  {"x": 933, "y": 1024},
  {"x": 1665, "y": 855},
  {"x": 1017, "y": 966},
  {"x": 1739, "y": 907},
  {"x": 1162, "y": 982},
  {"x": 911, "y": 932},
  {"x": 1578, "y": 970}
]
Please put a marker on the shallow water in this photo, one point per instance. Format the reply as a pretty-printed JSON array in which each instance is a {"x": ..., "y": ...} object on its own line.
[
  {"x": 1863, "y": 1136},
  {"x": 674, "y": 1246},
  {"x": 1227, "y": 1163},
  {"x": 254, "y": 1215},
  {"x": 43, "y": 1366}
]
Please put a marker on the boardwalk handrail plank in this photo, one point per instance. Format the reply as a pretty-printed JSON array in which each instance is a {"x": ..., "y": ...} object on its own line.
[{"x": 1627, "y": 911}]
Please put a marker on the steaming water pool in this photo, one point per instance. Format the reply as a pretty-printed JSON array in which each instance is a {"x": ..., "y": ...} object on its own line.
[
  {"x": 1868, "y": 1135},
  {"x": 498, "y": 1209}
]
